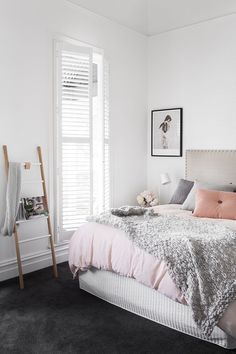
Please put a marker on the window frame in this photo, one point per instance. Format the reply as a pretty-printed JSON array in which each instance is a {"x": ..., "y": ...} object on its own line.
[{"x": 74, "y": 45}]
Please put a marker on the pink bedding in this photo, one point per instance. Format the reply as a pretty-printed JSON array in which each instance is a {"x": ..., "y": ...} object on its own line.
[{"x": 104, "y": 247}]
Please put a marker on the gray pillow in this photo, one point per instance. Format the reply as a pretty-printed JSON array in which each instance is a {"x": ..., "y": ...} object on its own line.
[
  {"x": 182, "y": 191},
  {"x": 189, "y": 203}
]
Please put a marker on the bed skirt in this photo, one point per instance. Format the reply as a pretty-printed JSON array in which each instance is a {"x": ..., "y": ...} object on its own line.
[{"x": 130, "y": 295}]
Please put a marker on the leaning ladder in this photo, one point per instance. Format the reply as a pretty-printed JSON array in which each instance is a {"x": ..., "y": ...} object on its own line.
[{"x": 49, "y": 235}]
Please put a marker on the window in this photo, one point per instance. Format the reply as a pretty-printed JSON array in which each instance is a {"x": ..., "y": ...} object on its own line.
[{"x": 82, "y": 135}]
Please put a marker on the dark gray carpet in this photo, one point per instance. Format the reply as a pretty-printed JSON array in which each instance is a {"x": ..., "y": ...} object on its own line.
[{"x": 55, "y": 316}]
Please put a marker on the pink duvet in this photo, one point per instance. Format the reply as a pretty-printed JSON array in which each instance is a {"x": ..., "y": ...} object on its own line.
[{"x": 104, "y": 247}]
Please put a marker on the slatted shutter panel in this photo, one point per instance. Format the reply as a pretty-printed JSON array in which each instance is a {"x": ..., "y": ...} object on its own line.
[
  {"x": 75, "y": 133},
  {"x": 106, "y": 130},
  {"x": 82, "y": 107}
]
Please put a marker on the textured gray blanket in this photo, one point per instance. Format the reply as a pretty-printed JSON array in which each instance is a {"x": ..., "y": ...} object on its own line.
[
  {"x": 128, "y": 210},
  {"x": 200, "y": 255},
  {"x": 12, "y": 198}
]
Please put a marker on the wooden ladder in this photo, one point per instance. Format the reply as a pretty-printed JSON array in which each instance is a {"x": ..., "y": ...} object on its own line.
[{"x": 49, "y": 235}]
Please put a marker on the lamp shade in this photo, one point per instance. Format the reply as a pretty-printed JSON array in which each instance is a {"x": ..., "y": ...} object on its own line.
[{"x": 165, "y": 178}]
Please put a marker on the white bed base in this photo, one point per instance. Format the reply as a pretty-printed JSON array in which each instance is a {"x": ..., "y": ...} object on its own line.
[{"x": 130, "y": 295}]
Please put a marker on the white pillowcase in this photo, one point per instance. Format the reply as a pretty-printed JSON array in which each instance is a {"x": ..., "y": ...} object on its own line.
[{"x": 189, "y": 203}]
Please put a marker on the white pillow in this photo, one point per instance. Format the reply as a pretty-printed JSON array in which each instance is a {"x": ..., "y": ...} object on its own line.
[{"x": 189, "y": 203}]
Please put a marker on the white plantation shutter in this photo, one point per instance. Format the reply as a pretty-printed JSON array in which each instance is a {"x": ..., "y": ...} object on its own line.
[
  {"x": 75, "y": 136},
  {"x": 106, "y": 151},
  {"x": 78, "y": 193}
]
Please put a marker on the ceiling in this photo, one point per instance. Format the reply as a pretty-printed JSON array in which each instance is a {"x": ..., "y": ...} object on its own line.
[{"x": 151, "y": 17}]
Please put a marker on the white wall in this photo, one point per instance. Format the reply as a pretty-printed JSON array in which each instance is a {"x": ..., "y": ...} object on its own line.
[
  {"x": 194, "y": 68},
  {"x": 27, "y": 29}
]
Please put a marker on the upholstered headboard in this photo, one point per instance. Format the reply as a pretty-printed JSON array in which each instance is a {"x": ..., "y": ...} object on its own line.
[{"x": 214, "y": 166}]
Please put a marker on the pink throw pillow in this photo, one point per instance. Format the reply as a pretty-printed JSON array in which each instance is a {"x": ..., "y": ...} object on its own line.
[{"x": 215, "y": 204}]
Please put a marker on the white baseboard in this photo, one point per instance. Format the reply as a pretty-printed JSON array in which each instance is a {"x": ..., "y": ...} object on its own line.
[{"x": 32, "y": 262}]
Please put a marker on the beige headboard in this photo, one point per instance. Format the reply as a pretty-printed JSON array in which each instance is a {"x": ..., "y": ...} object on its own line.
[{"x": 214, "y": 166}]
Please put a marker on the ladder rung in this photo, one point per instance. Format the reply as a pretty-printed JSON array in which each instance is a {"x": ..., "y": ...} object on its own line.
[
  {"x": 32, "y": 163},
  {"x": 29, "y": 220},
  {"x": 35, "y": 238},
  {"x": 35, "y": 181}
]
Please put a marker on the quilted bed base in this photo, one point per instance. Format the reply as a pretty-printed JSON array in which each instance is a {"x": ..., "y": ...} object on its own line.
[{"x": 130, "y": 295}]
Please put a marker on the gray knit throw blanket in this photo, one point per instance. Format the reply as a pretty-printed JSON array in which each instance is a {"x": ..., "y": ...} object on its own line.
[{"x": 200, "y": 255}]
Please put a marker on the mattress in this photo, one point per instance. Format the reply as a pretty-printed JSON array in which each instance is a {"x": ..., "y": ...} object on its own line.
[{"x": 135, "y": 297}]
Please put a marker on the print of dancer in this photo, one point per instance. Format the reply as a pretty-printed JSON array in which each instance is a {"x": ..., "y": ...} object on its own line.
[{"x": 165, "y": 126}]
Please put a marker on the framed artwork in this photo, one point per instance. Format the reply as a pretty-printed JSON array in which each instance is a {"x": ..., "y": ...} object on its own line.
[{"x": 166, "y": 132}]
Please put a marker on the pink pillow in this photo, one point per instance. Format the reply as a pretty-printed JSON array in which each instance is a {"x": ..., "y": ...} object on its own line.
[{"x": 215, "y": 204}]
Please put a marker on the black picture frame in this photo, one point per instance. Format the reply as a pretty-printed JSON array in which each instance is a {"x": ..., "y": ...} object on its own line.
[{"x": 167, "y": 138}]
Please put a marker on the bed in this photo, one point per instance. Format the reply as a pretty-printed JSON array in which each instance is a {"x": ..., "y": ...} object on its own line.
[{"x": 137, "y": 293}]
